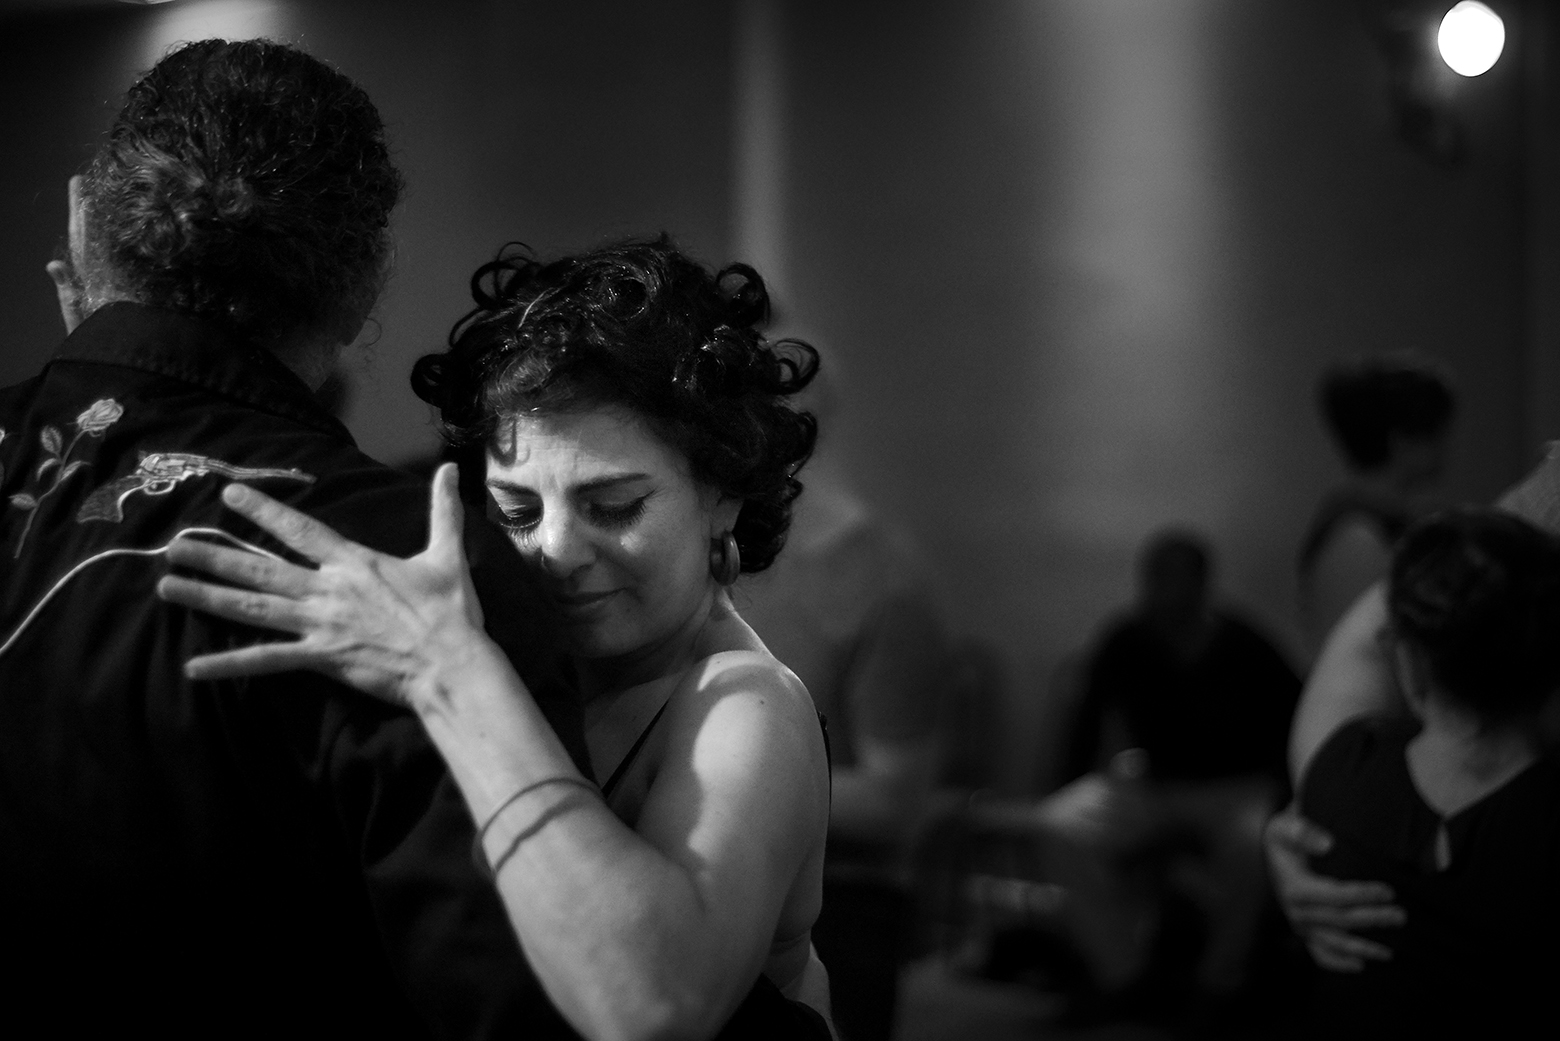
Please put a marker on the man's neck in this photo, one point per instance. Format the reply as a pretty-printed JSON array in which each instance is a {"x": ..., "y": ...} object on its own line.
[{"x": 309, "y": 356}]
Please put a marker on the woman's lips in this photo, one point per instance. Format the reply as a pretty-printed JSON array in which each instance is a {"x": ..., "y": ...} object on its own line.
[{"x": 581, "y": 601}]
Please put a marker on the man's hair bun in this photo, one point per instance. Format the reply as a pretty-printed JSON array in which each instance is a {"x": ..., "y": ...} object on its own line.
[{"x": 249, "y": 184}]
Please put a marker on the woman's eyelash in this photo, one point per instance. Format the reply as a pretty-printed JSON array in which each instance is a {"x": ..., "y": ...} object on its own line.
[
  {"x": 617, "y": 515},
  {"x": 603, "y": 514},
  {"x": 518, "y": 521}
]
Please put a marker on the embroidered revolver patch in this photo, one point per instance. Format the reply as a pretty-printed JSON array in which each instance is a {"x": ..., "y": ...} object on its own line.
[{"x": 159, "y": 473}]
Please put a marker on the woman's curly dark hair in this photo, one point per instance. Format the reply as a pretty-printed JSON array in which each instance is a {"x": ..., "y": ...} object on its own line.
[
  {"x": 246, "y": 183},
  {"x": 1477, "y": 593},
  {"x": 641, "y": 325}
]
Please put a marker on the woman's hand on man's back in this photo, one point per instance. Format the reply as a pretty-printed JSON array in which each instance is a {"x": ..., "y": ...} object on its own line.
[
  {"x": 380, "y": 623},
  {"x": 1325, "y": 912}
]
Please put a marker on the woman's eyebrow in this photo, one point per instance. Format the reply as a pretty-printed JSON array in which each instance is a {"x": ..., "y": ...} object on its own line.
[
  {"x": 499, "y": 484},
  {"x": 610, "y": 482}
]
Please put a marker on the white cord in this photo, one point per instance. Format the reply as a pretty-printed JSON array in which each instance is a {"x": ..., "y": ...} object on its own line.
[{"x": 106, "y": 554}]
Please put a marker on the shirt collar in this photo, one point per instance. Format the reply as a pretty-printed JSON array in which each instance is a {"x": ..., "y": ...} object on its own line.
[{"x": 195, "y": 351}]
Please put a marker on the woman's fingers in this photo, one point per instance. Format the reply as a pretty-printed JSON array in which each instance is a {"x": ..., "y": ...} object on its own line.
[
  {"x": 446, "y": 516},
  {"x": 259, "y": 660},
  {"x": 297, "y": 531},
  {"x": 1291, "y": 840},
  {"x": 1289, "y": 830},
  {"x": 446, "y": 552},
  {"x": 1334, "y": 916},
  {"x": 241, "y": 567},
  {"x": 1343, "y": 952},
  {"x": 1319, "y": 890},
  {"x": 1326, "y": 911},
  {"x": 363, "y": 618},
  {"x": 236, "y": 605},
  {"x": 1313, "y": 900}
]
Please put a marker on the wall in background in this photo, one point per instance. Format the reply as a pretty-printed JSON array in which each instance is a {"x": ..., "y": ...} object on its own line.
[
  {"x": 59, "y": 78},
  {"x": 1540, "y": 50},
  {"x": 556, "y": 124},
  {"x": 1084, "y": 261},
  {"x": 1078, "y": 261}
]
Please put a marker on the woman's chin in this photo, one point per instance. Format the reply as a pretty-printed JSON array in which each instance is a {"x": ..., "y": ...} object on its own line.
[{"x": 595, "y": 642}]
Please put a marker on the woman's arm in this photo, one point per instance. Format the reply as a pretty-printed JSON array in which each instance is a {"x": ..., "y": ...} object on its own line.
[
  {"x": 1353, "y": 559},
  {"x": 738, "y": 804},
  {"x": 1353, "y": 676},
  {"x": 648, "y": 934}
]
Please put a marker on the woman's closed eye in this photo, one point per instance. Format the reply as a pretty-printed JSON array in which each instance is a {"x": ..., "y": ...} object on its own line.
[
  {"x": 515, "y": 517},
  {"x": 615, "y": 514},
  {"x": 523, "y": 517}
]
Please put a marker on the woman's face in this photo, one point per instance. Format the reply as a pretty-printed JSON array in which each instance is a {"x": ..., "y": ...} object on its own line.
[{"x": 610, "y": 516}]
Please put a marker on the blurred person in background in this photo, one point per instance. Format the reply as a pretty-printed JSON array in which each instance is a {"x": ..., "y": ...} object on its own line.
[
  {"x": 252, "y": 857},
  {"x": 1181, "y": 730},
  {"x": 848, "y": 607},
  {"x": 1455, "y": 804},
  {"x": 1391, "y": 417},
  {"x": 1353, "y": 677}
]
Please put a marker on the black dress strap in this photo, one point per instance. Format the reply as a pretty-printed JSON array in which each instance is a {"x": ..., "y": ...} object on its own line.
[
  {"x": 633, "y": 751},
  {"x": 768, "y": 1015},
  {"x": 828, "y": 753}
]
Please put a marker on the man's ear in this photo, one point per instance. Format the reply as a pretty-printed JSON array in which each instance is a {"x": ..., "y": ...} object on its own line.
[
  {"x": 67, "y": 289},
  {"x": 67, "y": 274},
  {"x": 76, "y": 226}
]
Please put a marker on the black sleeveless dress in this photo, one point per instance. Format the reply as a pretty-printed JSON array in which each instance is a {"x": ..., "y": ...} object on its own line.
[{"x": 1477, "y": 955}]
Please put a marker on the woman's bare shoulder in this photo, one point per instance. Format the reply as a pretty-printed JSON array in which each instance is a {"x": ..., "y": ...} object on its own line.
[
  {"x": 741, "y": 730},
  {"x": 749, "y": 675},
  {"x": 747, "y": 699},
  {"x": 734, "y": 661}
]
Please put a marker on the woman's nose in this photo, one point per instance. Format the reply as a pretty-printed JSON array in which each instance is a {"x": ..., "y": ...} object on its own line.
[{"x": 562, "y": 544}]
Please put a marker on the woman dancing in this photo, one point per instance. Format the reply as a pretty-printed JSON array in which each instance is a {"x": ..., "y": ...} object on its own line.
[
  {"x": 1457, "y": 808},
  {"x": 640, "y": 453}
]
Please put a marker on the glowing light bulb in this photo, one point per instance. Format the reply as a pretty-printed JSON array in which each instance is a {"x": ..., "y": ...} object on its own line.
[{"x": 1471, "y": 38}]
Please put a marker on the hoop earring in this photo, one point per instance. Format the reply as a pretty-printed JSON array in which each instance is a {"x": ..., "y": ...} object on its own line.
[{"x": 725, "y": 559}]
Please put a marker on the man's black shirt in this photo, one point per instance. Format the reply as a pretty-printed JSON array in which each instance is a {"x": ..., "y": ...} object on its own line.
[
  {"x": 275, "y": 856},
  {"x": 1222, "y": 713}
]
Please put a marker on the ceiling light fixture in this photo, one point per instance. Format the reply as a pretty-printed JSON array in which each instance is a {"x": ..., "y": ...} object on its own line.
[{"x": 1471, "y": 38}]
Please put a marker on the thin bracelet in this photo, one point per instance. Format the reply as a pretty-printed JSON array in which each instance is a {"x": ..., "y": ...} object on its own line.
[
  {"x": 524, "y": 833},
  {"x": 479, "y": 853}
]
